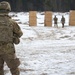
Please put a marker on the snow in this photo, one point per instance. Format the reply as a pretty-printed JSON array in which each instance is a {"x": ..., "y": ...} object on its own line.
[{"x": 45, "y": 50}]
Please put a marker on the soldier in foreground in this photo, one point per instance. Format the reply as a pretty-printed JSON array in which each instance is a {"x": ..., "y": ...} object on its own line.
[
  {"x": 10, "y": 33},
  {"x": 55, "y": 21},
  {"x": 63, "y": 21}
]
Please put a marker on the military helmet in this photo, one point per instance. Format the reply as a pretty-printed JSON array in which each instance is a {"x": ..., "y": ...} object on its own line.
[{"x": 4, "y": 5}]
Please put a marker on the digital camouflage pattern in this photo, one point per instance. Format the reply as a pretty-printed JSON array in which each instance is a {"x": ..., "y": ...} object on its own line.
[
  {"x": 7, "y": 49},
  {"x": 6, "y": 30},
  {"x": 17, "y": 33}
]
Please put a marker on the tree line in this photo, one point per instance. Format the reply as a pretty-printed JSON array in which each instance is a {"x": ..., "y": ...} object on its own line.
[{"x": 42, "y": 5}]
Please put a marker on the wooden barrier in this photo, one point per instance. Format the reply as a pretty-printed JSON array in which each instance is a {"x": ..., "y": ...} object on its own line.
[
  {"x": 32, "y": 18},
  {"x": 72, "y": 18},
  {"x": 48, "y": 18}
]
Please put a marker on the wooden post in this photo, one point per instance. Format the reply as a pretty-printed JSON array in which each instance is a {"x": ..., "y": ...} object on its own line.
[
  {"x": 32, "y": 18},
  {"x": 72, "y": 18},
  {"x": 48, "y": 18}
]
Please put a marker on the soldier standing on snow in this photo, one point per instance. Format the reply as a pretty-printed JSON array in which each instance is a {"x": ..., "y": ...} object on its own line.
[
  {"x": 10, "y": 33},
  {"x": 55, "y": 21},
  {"x": 63, "y": 21}
]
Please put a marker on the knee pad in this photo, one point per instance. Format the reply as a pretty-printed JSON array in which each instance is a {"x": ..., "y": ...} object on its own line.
[{"x": 14, "y": 63}]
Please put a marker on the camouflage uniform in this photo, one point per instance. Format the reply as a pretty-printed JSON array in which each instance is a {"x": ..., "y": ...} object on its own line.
[
  {"x": 7, "y": 50},
  {"x": 55, "y": 21},
  {"x": 62, "y": 21}
]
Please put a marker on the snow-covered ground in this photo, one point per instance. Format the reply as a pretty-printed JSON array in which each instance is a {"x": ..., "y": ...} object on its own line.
[{"x": 45, "y": 50}]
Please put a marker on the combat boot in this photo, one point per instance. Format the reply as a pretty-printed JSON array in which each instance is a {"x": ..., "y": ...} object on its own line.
[{"x": 15, "y": 71}]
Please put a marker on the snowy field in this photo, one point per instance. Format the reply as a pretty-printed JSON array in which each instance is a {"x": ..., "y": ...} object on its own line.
[{"x": 45, "y": 50}]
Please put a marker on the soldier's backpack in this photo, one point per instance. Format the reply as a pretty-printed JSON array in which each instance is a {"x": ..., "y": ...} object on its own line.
[{"x": 6, "y": 30}]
